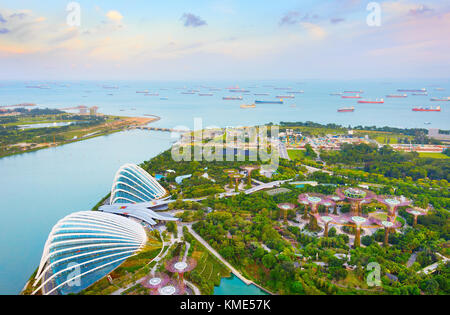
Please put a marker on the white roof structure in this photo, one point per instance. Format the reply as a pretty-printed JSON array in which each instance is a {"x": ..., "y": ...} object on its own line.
[
  {"x": 132, "y": 184},
  {"x": 84, "y": 247},
  {"x": 140, "y": 211}
]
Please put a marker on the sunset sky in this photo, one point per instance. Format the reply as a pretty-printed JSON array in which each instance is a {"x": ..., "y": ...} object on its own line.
[{"x": 223, "y": 39}]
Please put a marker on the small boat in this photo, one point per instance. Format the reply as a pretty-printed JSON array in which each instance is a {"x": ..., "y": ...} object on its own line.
[
  {"x": 142, "y": 92},
  {"x": 261, "y": 94},
  {"x": 353, "y": 92},
  {"x": 420, "y": 94},
  {"x": 298, "y": 92},
  {"x": 248, "y": 106},
  {"x": 427, "y": 109},
  {"x": 335, "y": 94},
  {"x": 346, "y": 110},
  {"x": 205, "y": 94}
]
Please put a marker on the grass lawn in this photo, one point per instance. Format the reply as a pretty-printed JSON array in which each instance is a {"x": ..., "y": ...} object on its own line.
[
  {"x": 433, "y": 155},
  {"x": 297, "y": 154}
]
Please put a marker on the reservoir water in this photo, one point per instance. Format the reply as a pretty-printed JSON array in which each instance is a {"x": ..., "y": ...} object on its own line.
[
  {"x": 40, "y": 188},
  {"x": 37, "y": 189},
  {"x": 235, "y": 286}
]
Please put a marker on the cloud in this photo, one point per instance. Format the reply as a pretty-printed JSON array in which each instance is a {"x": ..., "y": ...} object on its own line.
[
  {"x": 314, "y": 30},
  {"x": 422, "y": 9},
  {"x": 4, "y": 31},
  {"x": 294, "y": 17},
  {"x": 191, "y": 20},
  {"x": 2, "y": 20},
  {"x": 337, "y": 20},
  {"x": 114, "y": 16}
]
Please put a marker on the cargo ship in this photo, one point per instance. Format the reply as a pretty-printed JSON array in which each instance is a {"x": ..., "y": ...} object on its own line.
[
  {"x": 335, "y": 94},
  {"x": 248, "y": 106},
  {"x": 232, "y": 98},
  {"x": 427, "y": 109},
  {"x": 436, "y": 99},
  {"x": 298, "y": 92},
  {"x": 412, "y": 90},
  {"x": 372, "y": 102},
  {"x": 142, "y": 92},
  {"x": 351, "y": 96},
  {"x": 420, "y": 94},
  {"x": 239, "y": 91},
  {"x": 397, "y": 95},
  {"x": 285, "y": 96},
  {"x": 205, "y": 94},
  {"x": 346, "y": 110},
  {"x": 270, "y": 102},
  {"x": 261, "y": 94},
  {"x": 353, "y": 92}
]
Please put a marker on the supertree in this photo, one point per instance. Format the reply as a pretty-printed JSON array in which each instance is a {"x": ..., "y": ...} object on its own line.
[
  {"x": 229, "y": 172},
  {"x": 249, "y": 169},
  {"x": 155, "y": 282},
  {"x": 326, "y": 221},
  {"x": 285, "y": 207},
  {"x": 416, "y": 212},
  {"x": 335, "y": 199},
  {"x": 388, "y": 226},
  {"x": 179, "y": 266},
  {"x": 329, "y": 203},
  {"x": 313, "y": 200},
  {"x": 356, "y": 197},
  {"x": 358, "y": 223},
  {"x": 170, "y": 288},
  {"x": 237, "y": 177},
  {"x": 393, "y": 203}
]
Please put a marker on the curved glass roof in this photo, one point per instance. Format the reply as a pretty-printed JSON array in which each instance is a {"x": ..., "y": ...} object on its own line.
[
  {"x": 132, "y": 184},
  {"x": 84, "y": 247}
]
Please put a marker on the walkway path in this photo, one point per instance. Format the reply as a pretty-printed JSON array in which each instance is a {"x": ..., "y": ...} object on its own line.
[{"x": 204, "y": 243}]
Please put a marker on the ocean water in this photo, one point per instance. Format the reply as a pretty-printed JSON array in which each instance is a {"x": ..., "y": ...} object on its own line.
[
  {"x": 39, "y": 188},
  {"x": 180, "y": 109}
]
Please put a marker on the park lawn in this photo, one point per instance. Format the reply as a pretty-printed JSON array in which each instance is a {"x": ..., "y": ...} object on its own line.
[
  {"x": 433, "y": 155},
  {"x": 297, "y": 154}
]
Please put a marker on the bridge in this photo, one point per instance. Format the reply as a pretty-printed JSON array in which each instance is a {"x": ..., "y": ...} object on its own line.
[{"x": 163, "y": 129}]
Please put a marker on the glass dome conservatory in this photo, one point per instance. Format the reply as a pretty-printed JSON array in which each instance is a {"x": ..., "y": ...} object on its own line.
[
  {"x": 84, "y": 247},
  {"x": 132, "y": 184}
]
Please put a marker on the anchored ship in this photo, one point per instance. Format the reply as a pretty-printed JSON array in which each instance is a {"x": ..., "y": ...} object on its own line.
[
  {"x": 351, "y": 96},
  {"x": 397, "y": 95},
  {"x": 436, "y": 99},
  {"x": 346, "y": 110},
  {"x": 270, "y": 102},
  {"x": 372, "y": 102},
  {"x": 427, "y": 109},
  {"x": 233, "y": 98},
  {"x": 412, "y": 90}
]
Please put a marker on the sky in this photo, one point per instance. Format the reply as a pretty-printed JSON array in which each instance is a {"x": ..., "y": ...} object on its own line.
[{"x": 223, "y": 39}]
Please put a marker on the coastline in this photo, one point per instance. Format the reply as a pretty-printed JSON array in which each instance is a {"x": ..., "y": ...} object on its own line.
[{"x": 130, "y": 123}]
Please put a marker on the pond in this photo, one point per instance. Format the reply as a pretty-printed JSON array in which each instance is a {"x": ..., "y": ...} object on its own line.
[{"x": 235, "y": 286}]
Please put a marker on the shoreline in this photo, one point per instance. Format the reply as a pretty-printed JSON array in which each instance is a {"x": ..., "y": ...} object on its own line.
[{"x": 132, "y": 122}]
